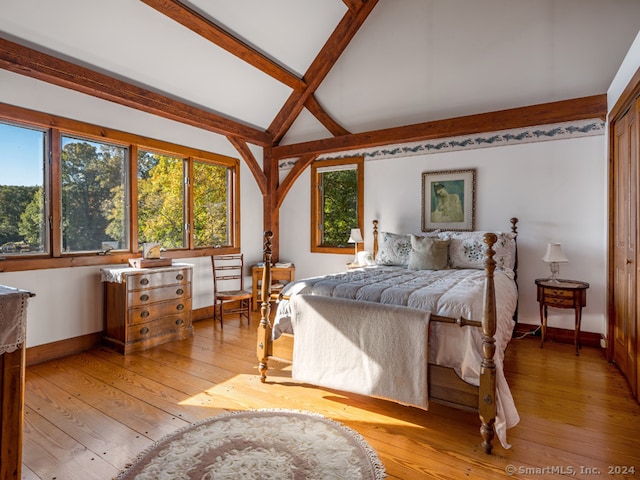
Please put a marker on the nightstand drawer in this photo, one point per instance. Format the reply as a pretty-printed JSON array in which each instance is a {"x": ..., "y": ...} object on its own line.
[
  {"x": 559, "y": 302},
  {"x": 558, "y": 292}
]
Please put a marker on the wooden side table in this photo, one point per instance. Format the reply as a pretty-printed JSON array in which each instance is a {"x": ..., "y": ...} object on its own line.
[
  {"x": 277, "y": 274},
  {"x": 562, "y": 294}
]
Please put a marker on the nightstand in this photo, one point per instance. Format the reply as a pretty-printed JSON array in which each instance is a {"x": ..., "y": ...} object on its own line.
[{"x": 562, "y": 294}]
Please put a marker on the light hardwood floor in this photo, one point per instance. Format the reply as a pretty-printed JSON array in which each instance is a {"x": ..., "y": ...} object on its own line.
[{"x": 87, "y": 415}]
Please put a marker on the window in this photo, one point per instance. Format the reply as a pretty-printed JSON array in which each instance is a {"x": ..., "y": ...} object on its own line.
[
  {"x": 94, "y": 189},
  {"x": 337, "y": 206},
  {"x": 212, "y": 185},
  {"x": 161, "y": 200},
  {"x": 78, "y": 189},
  {"x": 23, "y": 225}
]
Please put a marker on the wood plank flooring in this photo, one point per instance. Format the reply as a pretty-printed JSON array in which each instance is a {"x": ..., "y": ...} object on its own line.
[{"x": 89, "y": 414}]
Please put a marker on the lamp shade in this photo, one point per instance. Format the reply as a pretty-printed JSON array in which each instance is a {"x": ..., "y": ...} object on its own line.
[
  {"x": 356, "y": 236},
  {"x": 554, "y": 254}
]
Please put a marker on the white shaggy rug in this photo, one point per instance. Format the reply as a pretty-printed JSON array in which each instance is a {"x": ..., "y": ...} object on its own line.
[{"x": 259, "y": 444}]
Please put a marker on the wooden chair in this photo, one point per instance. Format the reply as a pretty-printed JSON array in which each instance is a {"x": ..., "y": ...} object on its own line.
[{"x": 228, "y": 286}]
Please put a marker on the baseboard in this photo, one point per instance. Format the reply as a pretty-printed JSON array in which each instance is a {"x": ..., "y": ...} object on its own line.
[
  {"x": 560, "y": 335},
  {"x": 202, "y": 313},
  {"x": 62, "y": 348}
]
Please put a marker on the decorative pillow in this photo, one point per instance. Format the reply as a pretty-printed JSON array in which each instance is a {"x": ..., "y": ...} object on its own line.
[
  {"x": 428, "y": 253},
  {"x": 393, "y": 249},
  {"x": 467, "y": 249}
]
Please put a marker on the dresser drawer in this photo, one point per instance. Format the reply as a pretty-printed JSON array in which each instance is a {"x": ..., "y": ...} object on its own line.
[
  {"x": 160, "y": 326},
  {"x": 147, "y": 313},
  {"x": 152, "y": 295},
  {"x": 138, "y": 281}
]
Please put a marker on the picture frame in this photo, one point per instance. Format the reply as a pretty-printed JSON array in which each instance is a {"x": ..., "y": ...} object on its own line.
[{"x": 449, "y": 200}]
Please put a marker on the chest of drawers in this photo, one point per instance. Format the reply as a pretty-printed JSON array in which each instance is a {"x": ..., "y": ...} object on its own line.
[{"x": 145, "y": 307}]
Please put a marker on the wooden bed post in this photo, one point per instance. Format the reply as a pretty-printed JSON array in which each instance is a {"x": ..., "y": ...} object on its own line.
[
  {"x": 264, "y": 346},
  {"x": 487, "y": 390},
  {"x": 375, "y": 239}
]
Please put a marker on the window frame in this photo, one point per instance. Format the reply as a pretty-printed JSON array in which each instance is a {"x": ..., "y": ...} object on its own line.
[
  {"x": 317, "y": 200},
  {"x": 56, "y": 127}
]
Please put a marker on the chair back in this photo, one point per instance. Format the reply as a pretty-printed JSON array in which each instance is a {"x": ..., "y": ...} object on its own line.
[{"x": 228, "y": 272}]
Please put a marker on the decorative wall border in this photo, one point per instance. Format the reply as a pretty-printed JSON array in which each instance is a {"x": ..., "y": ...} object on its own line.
[{"x": 543, "y": 133}]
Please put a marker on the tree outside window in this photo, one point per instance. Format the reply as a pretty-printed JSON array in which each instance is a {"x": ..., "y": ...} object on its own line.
[
  {"x": 93, "y": 185},
  {"x": 337, "y": 188}
]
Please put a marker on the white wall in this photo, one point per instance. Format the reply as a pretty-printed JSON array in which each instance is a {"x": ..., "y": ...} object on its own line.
[{"x": 557, "y": 189}]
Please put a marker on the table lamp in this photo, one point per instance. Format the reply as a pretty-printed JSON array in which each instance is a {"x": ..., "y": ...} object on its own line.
[
  {"x": 553, "y": 257},
  {"x": 355, "y": 237}
]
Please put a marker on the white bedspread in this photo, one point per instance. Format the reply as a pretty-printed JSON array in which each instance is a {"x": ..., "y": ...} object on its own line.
[
  {"x": 452, "y": 293},
  {"x": 367, "y": 353}
]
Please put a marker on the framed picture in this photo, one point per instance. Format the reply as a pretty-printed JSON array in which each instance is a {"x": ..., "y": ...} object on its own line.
[{"x": 449, "y": 200}]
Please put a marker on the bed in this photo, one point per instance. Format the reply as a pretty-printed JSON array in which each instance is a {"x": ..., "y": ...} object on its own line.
[{"x": 452, "y": 295}]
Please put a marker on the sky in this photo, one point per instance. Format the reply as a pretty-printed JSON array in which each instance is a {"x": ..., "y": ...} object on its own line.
[{"x": 21, "y": 155}]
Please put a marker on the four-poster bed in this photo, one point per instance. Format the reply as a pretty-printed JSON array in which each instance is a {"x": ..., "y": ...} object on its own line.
[{"x": 354, "y": 328}]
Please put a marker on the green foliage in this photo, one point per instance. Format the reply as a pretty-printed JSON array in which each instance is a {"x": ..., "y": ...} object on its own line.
[
  {"x": 32, "y": 224},
  {"x": 91, "y": 178},
  {"x": 339, "y": 208},
  {"x": 210, "y": 197},
  {"x": 13, "y": 202},
  {"x": 161, "y": 200}
]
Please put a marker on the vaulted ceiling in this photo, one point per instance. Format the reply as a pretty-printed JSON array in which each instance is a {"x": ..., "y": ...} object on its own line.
[{"x": 281, "y": 73}]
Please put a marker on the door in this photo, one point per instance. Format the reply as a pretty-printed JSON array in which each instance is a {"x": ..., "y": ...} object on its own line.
[{"x": 625, "y": 236}]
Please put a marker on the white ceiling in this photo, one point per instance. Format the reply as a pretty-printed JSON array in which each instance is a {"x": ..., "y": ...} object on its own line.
[{"x": 412, "y": 61}]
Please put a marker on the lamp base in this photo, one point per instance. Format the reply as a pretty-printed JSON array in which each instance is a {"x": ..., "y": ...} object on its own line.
[{"x": 555, "y": 270}]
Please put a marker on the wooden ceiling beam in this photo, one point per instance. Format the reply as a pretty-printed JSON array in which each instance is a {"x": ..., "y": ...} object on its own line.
[
  {"x": 320, "y": 113},
  {"x": 319, "y": 68},
  {"x": 195, "y": 22},
  {"x": 252, "y": 163},
  {"x": 299, "y": 167},
  {"x": 542, "y": 114},
  {"x": 353, "y": 5},
  {"x": 41, "y": 66}
]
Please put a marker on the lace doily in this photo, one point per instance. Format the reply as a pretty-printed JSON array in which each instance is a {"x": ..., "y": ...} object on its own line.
[{"x": 13, "y": 318}]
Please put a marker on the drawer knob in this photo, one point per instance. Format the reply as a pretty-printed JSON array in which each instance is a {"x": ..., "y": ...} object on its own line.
[
  {"x": 144, "y": 330},
  {"x": 180, "y": 307},
  {"x": 179, "y": 276},
  {"x": 179, "y": 291},
  {"x": 144, "y": 298},
  {"x": 144, "y": 281},
  {"x": 179, "y": 322},
  {"x": 144, "y": 314}
]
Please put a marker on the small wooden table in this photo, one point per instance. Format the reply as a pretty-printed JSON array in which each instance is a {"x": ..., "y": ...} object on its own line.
[
  {"x": 277, "y": 274},
  {"x": 562, "y": 294}
]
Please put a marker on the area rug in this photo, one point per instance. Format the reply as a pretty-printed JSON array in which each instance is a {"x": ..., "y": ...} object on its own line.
[{"x": 259, "y": 444}]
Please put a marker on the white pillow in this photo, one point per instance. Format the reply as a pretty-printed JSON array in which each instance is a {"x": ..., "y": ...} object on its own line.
[
  {"x": 393, "y": 249},
  {"x": 428, "y": 253},
  {"x": 468, "y": 250}
]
